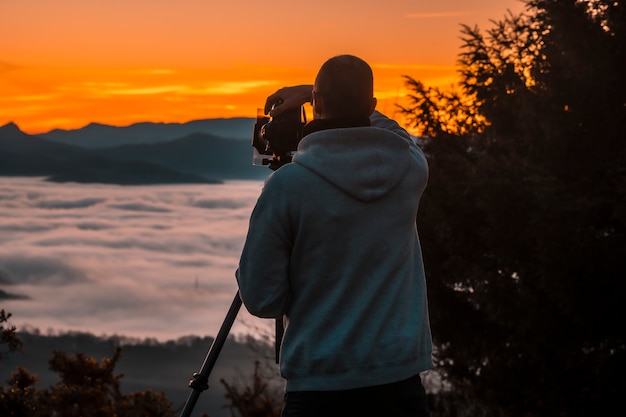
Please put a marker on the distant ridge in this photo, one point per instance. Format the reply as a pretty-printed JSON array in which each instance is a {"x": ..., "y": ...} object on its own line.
[
  {"x": 11, "y": 129},
  {"x": 201, "y": 154},
  {"x": 195, "y": 158},
  {"x": 96, "y": 135}
]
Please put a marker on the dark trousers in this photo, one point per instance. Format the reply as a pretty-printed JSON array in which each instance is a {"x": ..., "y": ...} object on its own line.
[{"x": 399, "y": 399}]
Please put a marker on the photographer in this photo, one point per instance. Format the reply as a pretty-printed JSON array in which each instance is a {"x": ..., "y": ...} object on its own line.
[{"x": 333, "y": 247}]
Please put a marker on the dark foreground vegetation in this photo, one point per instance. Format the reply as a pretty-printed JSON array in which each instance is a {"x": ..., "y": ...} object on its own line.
[
  {"x": 59, "y": 375},
  {"x": 523, "y": 228},
  {"x": 523, "y": 225}
]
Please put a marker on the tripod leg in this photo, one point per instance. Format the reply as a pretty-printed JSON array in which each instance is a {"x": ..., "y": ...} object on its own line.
[
  {"x": 280, "y": 329},
  {"x": 200, "y": 379}
]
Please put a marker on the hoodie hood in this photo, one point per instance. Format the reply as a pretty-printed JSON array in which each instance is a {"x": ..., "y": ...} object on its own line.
[{"x": 364, "y": 162}]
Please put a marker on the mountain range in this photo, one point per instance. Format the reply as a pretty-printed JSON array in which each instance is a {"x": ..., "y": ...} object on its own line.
[
  {"x": 201, "y": 151},
  {"x": 97, "y": 135}
]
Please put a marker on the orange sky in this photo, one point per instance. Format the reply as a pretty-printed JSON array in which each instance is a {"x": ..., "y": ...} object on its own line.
[{"x": 66, "y": 63}]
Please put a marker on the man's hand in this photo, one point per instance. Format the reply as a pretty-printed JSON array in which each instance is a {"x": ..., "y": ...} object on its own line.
[{"x": 289, "y": 98}]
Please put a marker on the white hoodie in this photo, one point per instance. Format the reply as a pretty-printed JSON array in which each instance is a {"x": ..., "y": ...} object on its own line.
[{"x": 333, "y": 246}]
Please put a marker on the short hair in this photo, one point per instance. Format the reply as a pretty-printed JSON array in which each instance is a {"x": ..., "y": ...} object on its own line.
[{"x": 345, "y": 84}]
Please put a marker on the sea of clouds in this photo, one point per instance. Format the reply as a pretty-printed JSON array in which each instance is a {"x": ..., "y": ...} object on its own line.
[{"x": 138, "y": 261}]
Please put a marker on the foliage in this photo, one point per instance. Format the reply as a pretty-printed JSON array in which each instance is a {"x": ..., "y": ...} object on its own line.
[
  {"x": 255, "y": 399},
  {"x": 87, "y": 388},
  {"x": 8, "y": 335},
  {"x": 523, "y": 225},
  {"x": 434, "y": 112}
]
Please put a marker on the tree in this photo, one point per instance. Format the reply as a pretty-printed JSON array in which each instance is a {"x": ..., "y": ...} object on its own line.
[
  {"x": 257, "y": 398},
  {"x": 433, "y": 112},
  {"x": 523, "y": 224},
  {"x": 87, "y": 388},
  {"x": 8, "y": 335},
  {"x": 91, "y": 388}
]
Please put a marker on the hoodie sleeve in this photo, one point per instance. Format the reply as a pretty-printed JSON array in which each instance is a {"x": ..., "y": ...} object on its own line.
[{"x": 263, "y": 270}]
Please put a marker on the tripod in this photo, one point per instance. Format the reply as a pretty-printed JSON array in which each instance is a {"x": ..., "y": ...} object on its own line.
[{"x": 200, "y": 380}]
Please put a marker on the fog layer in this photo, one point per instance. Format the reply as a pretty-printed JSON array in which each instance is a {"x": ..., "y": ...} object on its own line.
[{"x": 145, "y": 261}]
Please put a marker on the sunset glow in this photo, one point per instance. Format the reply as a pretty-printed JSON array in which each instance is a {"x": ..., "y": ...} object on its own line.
[{"x": 66, "y": 64}]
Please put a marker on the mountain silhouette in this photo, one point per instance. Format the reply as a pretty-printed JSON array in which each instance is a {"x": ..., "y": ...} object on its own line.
[
  {"x": 201, "y": 154},
  {"x": 27, "y": 155},
  {"x": 95, "y": 135}
]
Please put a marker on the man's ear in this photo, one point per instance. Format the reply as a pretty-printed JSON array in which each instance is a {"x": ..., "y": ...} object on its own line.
[
  {"x": 373, "y": 105},
  {"x": 318, "y": 106}
]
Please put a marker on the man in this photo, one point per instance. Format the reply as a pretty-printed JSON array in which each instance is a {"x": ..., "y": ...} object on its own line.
[{"x": 333, "y": 246}]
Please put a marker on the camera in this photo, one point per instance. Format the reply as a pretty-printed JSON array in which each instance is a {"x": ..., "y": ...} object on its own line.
[{"x": 275, "y": 139}]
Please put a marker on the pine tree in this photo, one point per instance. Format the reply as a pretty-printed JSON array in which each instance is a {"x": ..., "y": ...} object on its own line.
[{"x": 523, "y": 225}]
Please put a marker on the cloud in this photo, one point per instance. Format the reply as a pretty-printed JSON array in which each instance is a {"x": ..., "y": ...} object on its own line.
[
  {"x": 140, "y": 207},
  {"x": 153, "y": 71},
  {"x": 93, "y": 226},
  {"x": 70, "y": 204},
  {"x": 5, "y": 67},
  {"x": 435, "y": 15},
  {"x": 222, "y": 203},
  {"x": 25, "y": 269},
  {"x": 122, "y": 260},
  {"x": 4, "y": 295},
  {"x": 221, "y": 88},
  {"x": 25, "y": 227},
  {"x": 135, "y": 91},
  {"x": 232, "y": 87},
  {"x": 35, "y": 97},
  {"x": 414, "y": 67},
  {"x": 149, "y": 242}
]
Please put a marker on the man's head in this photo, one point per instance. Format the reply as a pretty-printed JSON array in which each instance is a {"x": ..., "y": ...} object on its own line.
[{"x": 344, "y": 87}]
